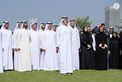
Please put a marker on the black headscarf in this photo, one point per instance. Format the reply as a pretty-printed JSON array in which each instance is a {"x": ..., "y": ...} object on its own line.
[
  {"x": 120, "y": 34},
  {"x": 86, "y": 33}
]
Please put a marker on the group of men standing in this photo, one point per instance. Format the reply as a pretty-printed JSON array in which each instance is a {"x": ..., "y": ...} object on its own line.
[
  {"x": 46, "y": 48},
  {"x": 62, "y": 47}
]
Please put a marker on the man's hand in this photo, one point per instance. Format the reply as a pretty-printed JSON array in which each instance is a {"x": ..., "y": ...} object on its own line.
[
  {"x": 79, "y": 50},
  {"x": 89, "y": 46},
  {"x": 12, "y": 49},
  {"x": 109, "y": 52},
  {"x": 17, "y": 49},
  {"x": 40, "y": 49},
  {"x": 43, "y": 50},
  {"x": 57, "y": 49}
]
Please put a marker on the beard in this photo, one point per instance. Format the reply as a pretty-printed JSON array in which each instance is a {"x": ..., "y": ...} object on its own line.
[{"x": 25, "y": 27}]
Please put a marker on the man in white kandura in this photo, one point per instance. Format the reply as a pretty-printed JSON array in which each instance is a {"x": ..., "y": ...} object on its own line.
[
  {"x": 54, "y": 29},
  {"x": 42, "y": 42},
  {"x": 7, "y": 46},
  {"x": 35, "y": 47},
  {"x": 75, "y": 44},
  {"x": 64, "y": 47},
  {"x": 24, "y": 58},
  {"x": 50, "y": 61},
  {"x": 1, "y": 56},
  {"x": 15, "y": 44}
]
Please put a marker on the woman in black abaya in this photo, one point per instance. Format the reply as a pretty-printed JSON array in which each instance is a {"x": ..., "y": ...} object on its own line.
[
  {"x": 114, "y": 52},
  {"x": 86, "y": 55},
  {"x": 101, "y": 50}
]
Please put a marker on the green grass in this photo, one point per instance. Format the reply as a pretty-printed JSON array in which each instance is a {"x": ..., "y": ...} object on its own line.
[{"x": 78, "y": 76}]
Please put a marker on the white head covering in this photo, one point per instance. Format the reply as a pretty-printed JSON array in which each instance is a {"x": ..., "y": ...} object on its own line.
[
  {"x": 70, "y": 23},
  {"x": 111, "y": 28},
  {"x": 55, "y": 26},
  {"x": 61, "y": 22},
  {"x": 62, "y": 19},
  {"x": 23, "y": 24},
  {"x": 17, "y": 25},
  {"x": 41, "y": 26},
  {"x": 47, "y": 25},
  {"x": 5, "y": 22},
  {"x": 31, "y": 26}
]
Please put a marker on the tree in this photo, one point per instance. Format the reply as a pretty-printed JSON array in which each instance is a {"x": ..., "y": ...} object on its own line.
[{"x": 81, "y": 22}]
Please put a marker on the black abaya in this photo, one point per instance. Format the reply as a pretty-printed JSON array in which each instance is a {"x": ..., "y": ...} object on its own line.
[
  {"x": 86, "y": 56},
  {"x": 101, "y": 55},
  {"x": 114, "y": 55}
]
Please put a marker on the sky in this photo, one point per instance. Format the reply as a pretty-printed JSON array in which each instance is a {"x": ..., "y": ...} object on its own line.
[{"x": 53, "y": 10}]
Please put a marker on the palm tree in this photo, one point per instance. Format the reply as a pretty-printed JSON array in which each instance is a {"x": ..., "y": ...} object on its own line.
[{"x": 81, "y": 22}]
